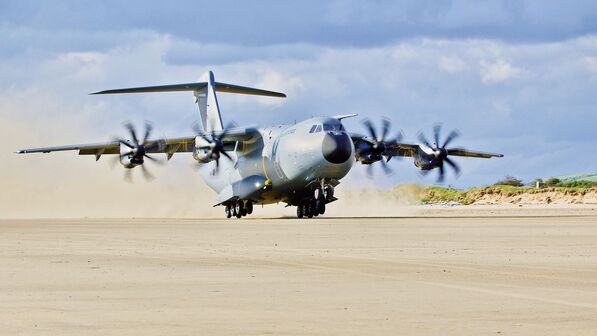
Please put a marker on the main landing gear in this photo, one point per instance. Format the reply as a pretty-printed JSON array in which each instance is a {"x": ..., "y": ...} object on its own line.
[{"x": 239, "y": 208}]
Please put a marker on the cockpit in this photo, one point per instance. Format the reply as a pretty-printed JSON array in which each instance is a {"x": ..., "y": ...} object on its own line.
[{"x": 327, "y": 127}]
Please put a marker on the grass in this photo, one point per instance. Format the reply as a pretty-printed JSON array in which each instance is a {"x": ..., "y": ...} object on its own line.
[{"x": 436, "y": 194}]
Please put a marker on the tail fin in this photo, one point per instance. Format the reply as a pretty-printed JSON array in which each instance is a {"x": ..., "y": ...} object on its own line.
[
  {"x": 206, "y": 99},
  {"x": 205, "y": 94}
]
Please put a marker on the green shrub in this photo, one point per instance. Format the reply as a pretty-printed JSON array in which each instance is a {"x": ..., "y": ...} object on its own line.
[
  {"x": 510, "y": 181},
  {"x": 577, "y": 184},
  {"x": 552, "y": 182}
]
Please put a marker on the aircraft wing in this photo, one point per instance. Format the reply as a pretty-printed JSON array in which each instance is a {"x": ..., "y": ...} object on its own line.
[
  {"x": 404, "y": 149},
  {"x": 166, "y": 145}
]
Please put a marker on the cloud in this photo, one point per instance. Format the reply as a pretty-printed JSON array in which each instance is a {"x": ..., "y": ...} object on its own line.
[
  {"x": 451, "y": 64},
  {"x": 498, "y": 71},
  {"x": 529, "y": 110},
  {"x": 336, "y": 23}
]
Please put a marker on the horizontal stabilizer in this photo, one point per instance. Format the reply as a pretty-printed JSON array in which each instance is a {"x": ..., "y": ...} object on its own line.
[{"x": 220, "y": 87}]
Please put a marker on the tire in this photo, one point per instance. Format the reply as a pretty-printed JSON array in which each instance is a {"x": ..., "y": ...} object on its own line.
[
  {"x": 238, "y": 210},
  {"x": 321, "y": 207},
  {"x": 299, "y": 211},
  {"x": 309, "y": 211},
  {"x": 249, "y": 207},
  {"x": 228, "y": 211}
]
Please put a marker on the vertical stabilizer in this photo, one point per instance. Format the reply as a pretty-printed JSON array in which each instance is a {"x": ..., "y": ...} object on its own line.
[{"x": 206, "y": 99}]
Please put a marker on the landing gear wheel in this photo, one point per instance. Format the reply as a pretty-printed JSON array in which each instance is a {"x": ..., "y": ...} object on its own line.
[
  {"x": 315, "y": 208},
  {"x": 228, "y": 211},
  {"x": 238, "y": 209},
  {"x": 309, "y": 211},
  {"x": 249, "y": 207},
  {"x": 299, "y": 211},
  {"x": 321, "y": 207}
]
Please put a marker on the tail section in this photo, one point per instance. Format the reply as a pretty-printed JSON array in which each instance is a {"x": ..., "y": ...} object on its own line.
[
  {"x": 206, "y": 99},
  {"x": 205, "y": 95}
]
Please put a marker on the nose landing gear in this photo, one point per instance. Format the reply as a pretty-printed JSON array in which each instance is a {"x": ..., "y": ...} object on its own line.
[{"x": 315, "y": 206}]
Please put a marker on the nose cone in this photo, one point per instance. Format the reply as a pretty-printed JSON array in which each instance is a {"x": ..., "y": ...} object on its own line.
[{"x": 337, "y": 148}]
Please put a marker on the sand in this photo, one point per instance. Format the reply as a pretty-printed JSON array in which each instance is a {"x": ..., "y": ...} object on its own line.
[{"x": 446, "y": 275}]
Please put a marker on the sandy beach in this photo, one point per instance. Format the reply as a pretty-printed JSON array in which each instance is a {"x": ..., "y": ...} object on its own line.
[{"x": 449, "y": 274}]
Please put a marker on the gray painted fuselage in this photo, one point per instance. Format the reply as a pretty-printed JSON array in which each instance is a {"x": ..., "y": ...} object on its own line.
[{"x": 288, "y": 158}]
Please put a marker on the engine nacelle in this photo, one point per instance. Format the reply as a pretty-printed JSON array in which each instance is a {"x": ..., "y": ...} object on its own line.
[
  {"x": 424, "y": 160},
  {"x": 204, "y": 150},
  {"x": 367, "y": 153},
  {"x": 128, "y": 158}
]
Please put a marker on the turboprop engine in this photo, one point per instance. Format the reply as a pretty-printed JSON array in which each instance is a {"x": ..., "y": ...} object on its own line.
[
  {"x": 134, "y": 152},
  {"x": 210, "y": 147}
]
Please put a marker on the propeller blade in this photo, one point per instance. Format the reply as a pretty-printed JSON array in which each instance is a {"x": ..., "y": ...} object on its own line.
[
  {"x": 226, "y": 155},
  {"x": 148, "y": 128},
  {"x": 453, "y": 165},
  {"x": 371, "y": 129},
  {"x": 127, "y": 175},
  {"x": 370, "y": 170},
  {"x": 217, "y": 165},
  {"x": 423, "y": 139},
  {"x": 206, "y": 138},
  {"x": 158, "y": 161},
  {"x": 436, "y": 131},
  {"x": 113, "y": 161},
  {"x": 125, "y": 154},
  {"x": 399, "y": 137},
  {"x": 227, "y": 129},
  {"x": 442, "y": 172},
  {"x": 453, "y": 135},
  {"x": 196, "y": 128},
  {"x": 132, "y": 132},
  {"x": 384, "y": 128},
  {"x": 122, "y": 141},
  {"x": 146, "y": 174},
  {"x": 386, "y": 168}
]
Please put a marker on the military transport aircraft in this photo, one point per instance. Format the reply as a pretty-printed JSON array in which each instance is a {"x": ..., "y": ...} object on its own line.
[{"x": 298, "y": 164}]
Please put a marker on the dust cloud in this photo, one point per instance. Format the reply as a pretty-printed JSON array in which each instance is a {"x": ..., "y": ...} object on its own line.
[{"x": 65, "y": 185}]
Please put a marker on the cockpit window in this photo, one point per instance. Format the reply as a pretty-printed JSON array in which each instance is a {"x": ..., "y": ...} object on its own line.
[
  {"x": 312, "y": 128},
  {"x": 333, "y": 127},
  {"x": 318, "y": 129}
]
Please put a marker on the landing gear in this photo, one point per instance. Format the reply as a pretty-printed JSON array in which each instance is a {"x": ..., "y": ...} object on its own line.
[
  {"x": 315, "y": 203},
  {"x": 321, "y": 207},
  {"x": 239, "y": 208},
  {"x": 228, "y": 211}
]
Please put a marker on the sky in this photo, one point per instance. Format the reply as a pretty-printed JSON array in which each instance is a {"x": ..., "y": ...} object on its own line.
[{"x": 514, "y": 77}]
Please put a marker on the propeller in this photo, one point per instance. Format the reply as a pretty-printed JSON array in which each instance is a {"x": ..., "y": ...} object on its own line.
[
  {"x": 378, "y": 145},
  {"x": 139, "y": 149},
  {"x": 214, "y": 143},
  {"x": 441, "y": 153}
]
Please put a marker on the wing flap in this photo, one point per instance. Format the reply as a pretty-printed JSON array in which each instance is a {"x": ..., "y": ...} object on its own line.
[{"x": 464, "y": 152}]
